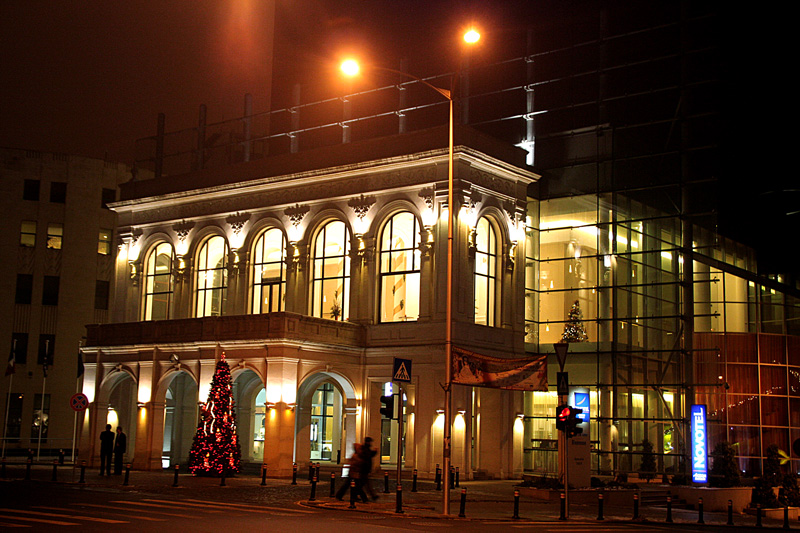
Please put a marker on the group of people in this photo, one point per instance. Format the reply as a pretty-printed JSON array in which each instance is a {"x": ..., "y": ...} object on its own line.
[
  {"x": 358, "y": 476},
  {"x": 110, "y": 445}
]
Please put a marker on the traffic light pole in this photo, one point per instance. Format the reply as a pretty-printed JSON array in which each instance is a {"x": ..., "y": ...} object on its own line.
[
  {"x": 565, "y": 439},
  {"x": 399, "y": 434}
]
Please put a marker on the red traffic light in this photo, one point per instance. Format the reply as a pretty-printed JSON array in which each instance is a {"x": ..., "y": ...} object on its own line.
[{"x": 563, "y": 412}]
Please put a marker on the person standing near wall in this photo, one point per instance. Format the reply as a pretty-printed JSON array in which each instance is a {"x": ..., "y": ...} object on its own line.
[
  {"x": 106, "y": 449},
  {"x": 120, "y": 446}
]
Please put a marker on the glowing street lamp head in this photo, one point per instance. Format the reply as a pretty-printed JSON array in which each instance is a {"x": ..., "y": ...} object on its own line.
[
  {"x": 472, "y": 36},
  {"x": 350, "y": 67}
]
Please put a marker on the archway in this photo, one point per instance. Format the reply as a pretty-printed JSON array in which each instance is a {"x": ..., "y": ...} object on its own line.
[
  {"x": 249, "y": 396},
  {"x": 326, "y": 422},
  {"x": 122, "y": 410},
  {"x": 180, "y": 419}
]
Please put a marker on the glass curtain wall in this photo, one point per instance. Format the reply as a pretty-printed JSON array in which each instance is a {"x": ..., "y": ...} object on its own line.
[{"x": 610, "y": 265}]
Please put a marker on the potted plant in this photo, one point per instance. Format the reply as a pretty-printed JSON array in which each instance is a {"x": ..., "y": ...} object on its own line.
[
  {"x": 647, "y": 470},
  {"x": 724, "y": 469}
]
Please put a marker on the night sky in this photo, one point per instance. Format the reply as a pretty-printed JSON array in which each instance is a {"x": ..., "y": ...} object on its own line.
[{"x": 89, "y": 78}]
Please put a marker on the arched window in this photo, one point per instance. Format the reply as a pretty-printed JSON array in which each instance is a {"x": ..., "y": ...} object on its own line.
[
  {"x": 330, "y": 288},
  {"x": 399, "y": 269},
  {"x": 269, "y": 272},
  {"x": 485, "y": 273},
  {"x": 211, "y": 277},
  {"x": 158, "y": 282}
]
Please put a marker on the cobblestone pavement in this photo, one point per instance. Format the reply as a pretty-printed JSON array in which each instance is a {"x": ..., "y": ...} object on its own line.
[{"x": 485, "y": 500}]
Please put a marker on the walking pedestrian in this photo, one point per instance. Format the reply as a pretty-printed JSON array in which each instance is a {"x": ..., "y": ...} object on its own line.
[
  {"x": 367, "y": 457},
  {"x": 353, "y": 475},
  {"x": 120, "y": 446},
  {"x": 106, "y": 449}
]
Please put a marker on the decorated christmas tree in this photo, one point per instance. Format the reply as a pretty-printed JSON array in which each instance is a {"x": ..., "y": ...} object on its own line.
[
  {"x": 573, "y": 329},
  {"x": 215, "y": 450}
]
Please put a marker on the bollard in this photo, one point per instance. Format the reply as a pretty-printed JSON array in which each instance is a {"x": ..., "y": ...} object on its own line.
[
  {"x": 311, "y": 471},
  {"x": 333, "y": 484},
  {"x": 61, "y": 457},
  {"x": 222, "y": 480},
  {"x": 730, "y": 512},
  {"x": 758, "y": 515},
  {"x": 316, "y": 470},
  {"x": 563, "y": 507},
  {"x": 462, "y": 510},
  {"x": 313, "y": 496},
  {"x": 294, "y": 473},
  {"x": 399, "y": 499},
  {"x": 386, "y": 482},
  {"x": 438, "y": 478},
  {"x": 263, "y": 475},
  {"x": 516, "y": 505},
  {"x": 175, "y": 480},
  {"x": 127, "y": 474},
  {"x": 413, "y": 484},
  {"x": 458, "y": 484},
  {"x": 28, "y": 469},
  {"x": 452, "y": 477},
  {"x": 600, "y": 506},
  {"x": 55, "y": 471},
  {"x": 635, "y": 506},
  {"x": 785, "y": 517},
  {"x": 83, "y": 472},
  {"x": 352, "y": 495},
  {"x": 3, "y": 468},
  {"x": 669, "y": 509},
  {"x": 700, "y": 511}
]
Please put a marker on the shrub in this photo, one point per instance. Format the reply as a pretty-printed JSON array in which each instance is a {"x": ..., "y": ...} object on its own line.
[
  {"x": 647, "y": 470},
  {"x": 770, "y": 477},
  {"x": 724, "y": 469}
]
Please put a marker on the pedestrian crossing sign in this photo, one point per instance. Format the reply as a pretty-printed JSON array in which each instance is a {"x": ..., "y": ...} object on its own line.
[{"x": 402, "y": 370}]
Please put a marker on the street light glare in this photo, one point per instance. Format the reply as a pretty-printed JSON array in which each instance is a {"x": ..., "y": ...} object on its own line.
[
  {"x": 472, "y": 36},
  {"x": 350, "y": 67}
]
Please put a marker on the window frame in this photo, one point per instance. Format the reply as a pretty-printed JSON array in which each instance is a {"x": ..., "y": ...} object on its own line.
[
  {"x": 149, "y": 280},
  {"x": 206, "y": 293},
  {"x": 257, "y": 284},
  {"x": 319, "y": 282},
  {"x": 390, "y": 255},
  {"x": 486, "y": 247}
]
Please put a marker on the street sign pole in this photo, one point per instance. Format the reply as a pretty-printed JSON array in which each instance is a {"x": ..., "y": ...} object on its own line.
[
  {"x": 399, "y": 433},
  {"x": 561, "y": 349}
]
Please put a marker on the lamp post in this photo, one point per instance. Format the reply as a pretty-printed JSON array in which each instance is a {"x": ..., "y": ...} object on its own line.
[{"x": 351, "y": 68}]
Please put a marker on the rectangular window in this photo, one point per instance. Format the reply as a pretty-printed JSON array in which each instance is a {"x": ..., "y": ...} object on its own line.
[
  {"x": 101, "y": 294},
  {"x": 30, "y": 190},
  {"x": 47, "y": 345},
  {"x": 27, "y": 233},
  {"x": 55, "y": 234},
  {"x": 109, "y": 196},
  {"x": 41, "y": 415},
  {"x": 104, "y": 242},
  {"x": 24, "y": 289},
  {"x": 50, "y": 290},
  {"x": 58, "y": 192},
  {"x": 14, "y": 423},
  {"x": 19, "y": 345}
]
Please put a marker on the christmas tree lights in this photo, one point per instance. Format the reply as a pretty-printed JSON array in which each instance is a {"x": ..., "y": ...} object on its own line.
[
  {"x": 573, "y": 329},
  {"x": 215, "y": 450}
]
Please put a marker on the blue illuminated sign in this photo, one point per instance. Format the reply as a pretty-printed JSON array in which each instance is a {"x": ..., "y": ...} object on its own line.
[
  {"x": 582, "y": 402},
  {"x": 699, "y": 437}
]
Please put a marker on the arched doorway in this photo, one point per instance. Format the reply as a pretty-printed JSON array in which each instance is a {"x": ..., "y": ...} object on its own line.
[
  {"x": 122, "y": 410},
  {"x": 249, "y": 396},
  {"x": 180, "y": 420},
  {"x": 326, "y": 421}
]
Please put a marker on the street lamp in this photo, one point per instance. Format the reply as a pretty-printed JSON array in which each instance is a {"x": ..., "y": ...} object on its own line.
[{"x": 351, "y": 67}]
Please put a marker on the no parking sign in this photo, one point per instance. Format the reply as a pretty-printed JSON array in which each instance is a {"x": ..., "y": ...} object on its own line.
[{"x": 79, "y": 402}]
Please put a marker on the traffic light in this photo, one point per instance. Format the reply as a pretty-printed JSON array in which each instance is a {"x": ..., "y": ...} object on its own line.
[
  {"x": 572, "y": 428},
  {"x": 388, "y": 406},
  {"x": 562, "y": 414}
]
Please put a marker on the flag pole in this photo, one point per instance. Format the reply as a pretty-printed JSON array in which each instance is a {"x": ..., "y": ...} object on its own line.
[
  {"x": 77, "y": 390},
  {"x": 12, "y": 368},
  {"x": 44, "y": 384}
]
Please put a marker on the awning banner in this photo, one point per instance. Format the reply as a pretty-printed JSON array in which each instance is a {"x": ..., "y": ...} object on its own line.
[{"x": 470, "y": 368}]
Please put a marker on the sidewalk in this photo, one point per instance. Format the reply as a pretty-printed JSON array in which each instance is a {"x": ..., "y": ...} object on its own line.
[{"x": 485, "y": 500}]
